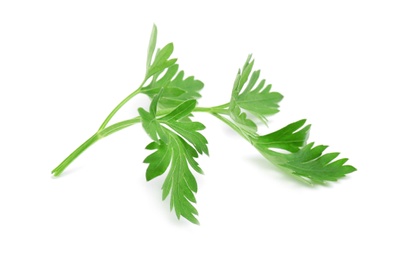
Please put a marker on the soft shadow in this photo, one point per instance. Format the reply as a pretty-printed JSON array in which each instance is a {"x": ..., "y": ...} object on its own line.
[
  {"x": 284, "y": 175},
  {"x": 279, "y": 172}
]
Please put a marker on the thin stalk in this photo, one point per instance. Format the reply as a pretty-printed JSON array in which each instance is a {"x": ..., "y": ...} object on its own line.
[
  {"x": 97, "y": 136},
  {"x": 124, "y": 101},
  {"x": 222, "y": 106},
  {"x": 233, "y": 126},
  {"x": 119, "y": 126},
  {"x": 65, "y": 163},
  {"x": 217, "y": 109}
]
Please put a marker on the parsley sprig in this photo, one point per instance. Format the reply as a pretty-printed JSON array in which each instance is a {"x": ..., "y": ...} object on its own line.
[{"x": 177, "y": 141}]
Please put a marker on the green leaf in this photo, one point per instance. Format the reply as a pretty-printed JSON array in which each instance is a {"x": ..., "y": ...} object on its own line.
[
  {"x": 151, "y": 46},
  {"x": 188, "y": 130},
  {"x": 177, "y": 89},
  {"x": 159, "y": 160},
  {"x": 246, "y": 70},
  {"x": 179, "y": 121},
  {"x": 241, "y": 119},
  {"x": 258, "y": 100},
  {"x": 149, "y": 123},
  {"x": 290, "y": 138},
  {"x": 180, "y": 183},
  {"x": 181, "y": 111},
  {"x": 301, "y": 159},
  {"x": 161, "y": 61},
  {"x": 310, "y": 163},
  {"x": 177, "y": 144}
]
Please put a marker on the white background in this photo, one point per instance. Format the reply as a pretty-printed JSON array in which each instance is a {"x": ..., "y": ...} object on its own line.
[{"x": 65, "y": 64}]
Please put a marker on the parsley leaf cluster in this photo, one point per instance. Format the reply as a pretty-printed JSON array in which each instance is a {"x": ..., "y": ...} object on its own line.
[{"x": 177, "y": 141}]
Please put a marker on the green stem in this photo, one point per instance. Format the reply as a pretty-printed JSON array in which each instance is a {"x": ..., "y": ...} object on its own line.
[
  {"x": 104, "y": 131},
  {"x": 119, "y": 126},
  {"x": 124, "y": 101},
  {"x": 217, "y": 111},
  {"x": 65, "y": 163},
  {"x": 210, "y": 110},
  {"x": 97, "y": 136},
  {"x": 233, "y": 126},
  {"x": 222, "y": 106}
]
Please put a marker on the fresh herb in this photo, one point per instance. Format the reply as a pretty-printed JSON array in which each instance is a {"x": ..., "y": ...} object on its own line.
[{"x": 177, "y": 141}]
